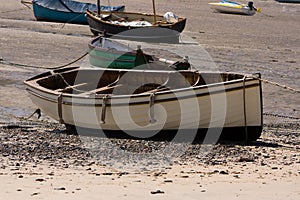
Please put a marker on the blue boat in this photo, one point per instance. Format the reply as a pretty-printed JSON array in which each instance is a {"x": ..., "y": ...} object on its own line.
[{"x": 66, "y": 11}]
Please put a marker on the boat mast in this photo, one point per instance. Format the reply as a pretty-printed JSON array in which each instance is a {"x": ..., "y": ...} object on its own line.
[
  {"x": 154, "y": 11},
  {"x": 98, "y": 7}
]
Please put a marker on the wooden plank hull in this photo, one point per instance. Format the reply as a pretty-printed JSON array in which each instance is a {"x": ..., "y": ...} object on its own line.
[
  {"x": 44, "y": 13},
  {"x": 230, "y": 105},
  {"x": 160, "y": 33}
]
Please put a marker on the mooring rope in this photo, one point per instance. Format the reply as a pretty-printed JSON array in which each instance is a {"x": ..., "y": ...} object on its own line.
[
  {"x": 281, "y": 86},
  {"x": 20, "y": 9},
  {"x": 276, "y": 84},
  {"x": 38, "y": 112},
  {"x": 2, "y": 61},
  {"x": 8, "y": 11},
  {"x": 281, "y": 116}
]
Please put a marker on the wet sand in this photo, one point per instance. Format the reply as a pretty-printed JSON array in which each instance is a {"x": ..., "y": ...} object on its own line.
[{"x": 38, "y": 160}]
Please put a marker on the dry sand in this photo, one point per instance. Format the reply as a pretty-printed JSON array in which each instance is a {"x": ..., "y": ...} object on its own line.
[{"x": 39, "y": 161}]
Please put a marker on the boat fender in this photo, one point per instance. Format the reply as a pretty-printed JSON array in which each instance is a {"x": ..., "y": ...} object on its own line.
[
  {"x": 59, "y": 108},
  {"x": 103, "y": 112},
  {"x": 170, "y": 17},
  {"x": 151, "y": 104}
]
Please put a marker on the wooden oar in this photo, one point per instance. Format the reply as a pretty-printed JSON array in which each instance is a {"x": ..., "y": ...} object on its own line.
[{"x": 26, "y": 2}]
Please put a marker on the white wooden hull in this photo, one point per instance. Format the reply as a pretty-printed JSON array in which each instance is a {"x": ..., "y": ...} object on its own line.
[{"x": 237, "y": 103}]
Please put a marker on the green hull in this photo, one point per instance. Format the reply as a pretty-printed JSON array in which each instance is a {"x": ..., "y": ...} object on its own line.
[
  {"x": 105, "y": 53},
  {"x": 112, "y": 60},
  {"x": 115, "y": 55}
]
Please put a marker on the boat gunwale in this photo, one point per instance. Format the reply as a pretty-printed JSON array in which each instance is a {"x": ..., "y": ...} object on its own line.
[
  {"x": 33, "y": 83},
  {"x": 61, "y": 11},
  {"x": 92, "y": 47},
  {"x": 112, "y": 59},
  {"x": 93, "y": 16},
  {"x": 120, "y": 97}
]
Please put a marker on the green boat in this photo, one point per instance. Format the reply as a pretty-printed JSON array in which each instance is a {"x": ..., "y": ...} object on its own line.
[{"x": 107, "y": 53}]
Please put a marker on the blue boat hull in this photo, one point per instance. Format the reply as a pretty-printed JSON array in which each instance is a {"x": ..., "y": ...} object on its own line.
[
  {"x": 42, "y": 13},
  {"x": 45, "y": 14}
]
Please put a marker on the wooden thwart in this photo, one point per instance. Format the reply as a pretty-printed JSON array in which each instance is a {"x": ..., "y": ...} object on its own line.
[
  {"x": 70, "y": 87},
  {"x": 99, "y": 90}
]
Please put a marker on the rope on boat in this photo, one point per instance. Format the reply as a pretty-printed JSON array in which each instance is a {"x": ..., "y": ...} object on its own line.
[
  {"x": 13, "y": 10},
  {"x": 103, "y": 112},
  {"x": 72, "y": 62},
  {"x": 59, "y": 108},
  {"x": 281, "y": 86},
  {"x": 151, "y": 104},
  {"x": 2, "y": 61},
  {"x": 20, "y": 9},
  {"x": 276, "y": 84},
  {"x": 38, "y": 112},
  {"x": 25, "y": 4},
  {"x": 245, "y": 110},
  {"x": 67, "y": 84}
]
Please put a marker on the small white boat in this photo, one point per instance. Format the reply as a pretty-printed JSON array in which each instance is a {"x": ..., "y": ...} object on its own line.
[
  {"x": 152, "y": 104},
  {"x": 234, "y": 8}
]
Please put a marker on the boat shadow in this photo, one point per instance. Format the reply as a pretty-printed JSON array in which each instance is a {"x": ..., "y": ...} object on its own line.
[
  {"x": 201, "y": 136},
  {"x": 264, "y": 144}
]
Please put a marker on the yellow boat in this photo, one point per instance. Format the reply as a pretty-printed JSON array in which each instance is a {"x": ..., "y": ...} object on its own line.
[{"x": 234, "y": 8}]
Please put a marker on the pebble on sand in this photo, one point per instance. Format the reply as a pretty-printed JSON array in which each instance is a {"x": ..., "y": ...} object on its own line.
[
  {"x": 157, "y": 192},
  {"x": 60, "y": 188}
]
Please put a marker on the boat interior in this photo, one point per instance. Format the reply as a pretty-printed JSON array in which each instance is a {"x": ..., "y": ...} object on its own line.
[
  {"x": 87, "y": 82},
  {"x": 130, "y": 17},
  {"x": 110, "y": 45}
]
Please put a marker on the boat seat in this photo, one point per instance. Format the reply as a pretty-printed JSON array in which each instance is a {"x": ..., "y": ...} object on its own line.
[
  {"x": 98, "y": 90},
  {"x": 158, "y": 89},
  {"x": 107, "y": 87},
  {"x": 70, "y": 88}
]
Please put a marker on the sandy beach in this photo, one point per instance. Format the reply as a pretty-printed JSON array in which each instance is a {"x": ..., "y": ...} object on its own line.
[{"x": 38, "y": 160}]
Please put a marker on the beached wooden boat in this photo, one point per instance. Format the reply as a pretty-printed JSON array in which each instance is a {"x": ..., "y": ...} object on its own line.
[
  {"x": 230, "y": 7},
  {"x": 138, "y": 103},
  {"x": 137, "y": 26},
  {"x": 66, "y": 11},
  {"x": 107, "y": 53}
]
